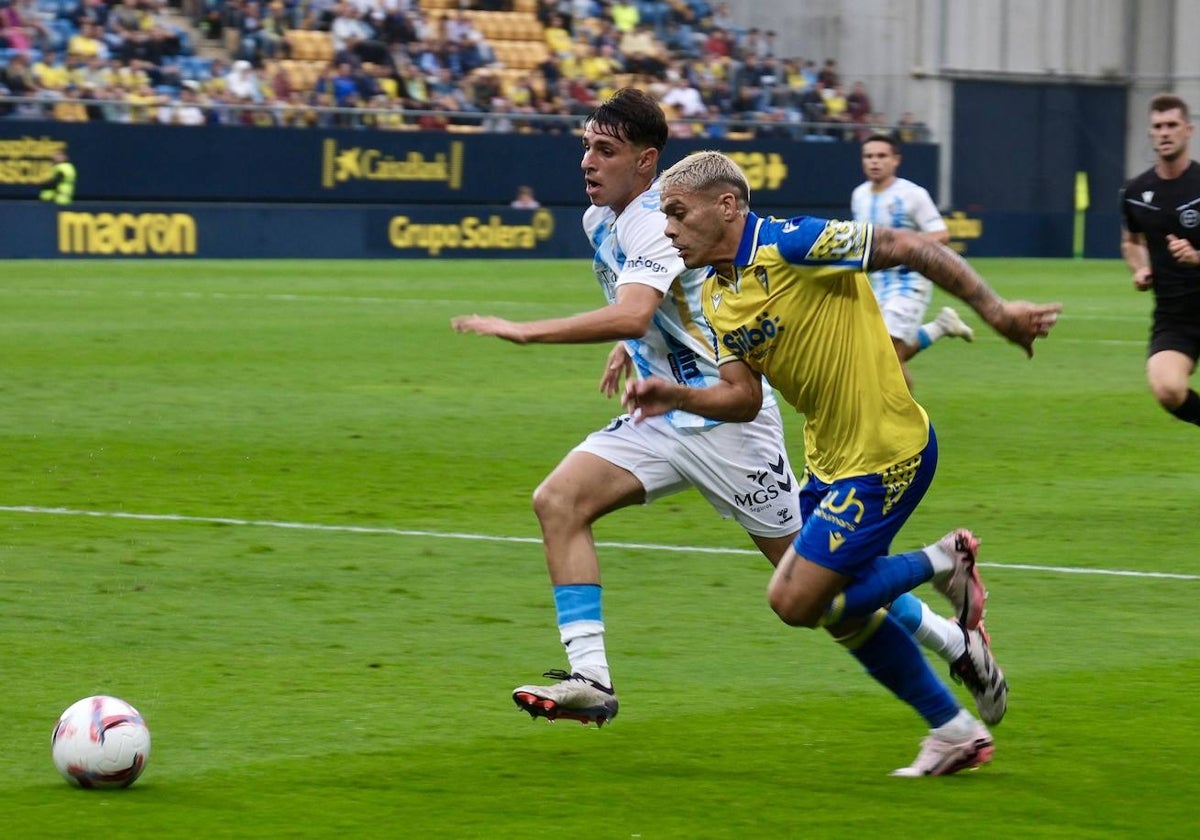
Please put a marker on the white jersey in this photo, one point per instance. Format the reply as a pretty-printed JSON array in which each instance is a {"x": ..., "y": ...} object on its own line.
[
  {"x": 902, "y": 204},
  {"x": 679, "y": 346}
]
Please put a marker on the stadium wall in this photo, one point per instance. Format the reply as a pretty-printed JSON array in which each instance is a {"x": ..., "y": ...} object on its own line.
[
  {"x": 119, "y": 162},
  {"x": 171, "y": 191}
]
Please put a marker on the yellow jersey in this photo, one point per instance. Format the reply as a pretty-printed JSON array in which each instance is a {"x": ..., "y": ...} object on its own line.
[{"x": 799, "y": 310}]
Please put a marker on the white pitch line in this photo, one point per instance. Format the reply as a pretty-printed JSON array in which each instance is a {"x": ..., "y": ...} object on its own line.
[
  {"x": 291, "y": 297},
  {"x": 451, "y": 535}
]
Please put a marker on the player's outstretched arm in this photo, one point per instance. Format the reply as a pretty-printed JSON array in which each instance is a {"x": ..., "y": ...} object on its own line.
[
  {"x": 1021, "y": 322},
  {"x": 628, "y": 317},
  {"x": 736, "y": 398}
]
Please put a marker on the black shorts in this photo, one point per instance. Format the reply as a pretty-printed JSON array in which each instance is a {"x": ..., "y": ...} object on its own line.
[{"x": 1174, "y": 335}]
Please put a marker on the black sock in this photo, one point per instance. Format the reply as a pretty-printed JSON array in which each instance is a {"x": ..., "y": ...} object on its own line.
[{"x": 1189, "y": 410}]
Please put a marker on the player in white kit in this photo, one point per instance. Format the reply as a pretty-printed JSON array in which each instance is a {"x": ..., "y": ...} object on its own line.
[
  {"x": 904, "y": 295},
  {"x": 654, "y": 310}
]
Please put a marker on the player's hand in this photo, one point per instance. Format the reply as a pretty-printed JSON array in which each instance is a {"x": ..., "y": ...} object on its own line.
[
  {"x": 1023, "y": 322},
  {"x": 650, "y": 397},
  {"x": 1143, "y": 279},
  {"x": 1182, "y": 250},
  {"x": 619, "y": 366},
  {"x": 489, "y": 325}
]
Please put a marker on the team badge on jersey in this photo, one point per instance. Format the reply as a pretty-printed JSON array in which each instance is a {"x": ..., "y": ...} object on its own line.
[{"x": 838, "y": 241}]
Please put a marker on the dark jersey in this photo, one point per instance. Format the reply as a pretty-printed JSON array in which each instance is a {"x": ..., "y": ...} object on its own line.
[{"x": 1156, "y": 207}]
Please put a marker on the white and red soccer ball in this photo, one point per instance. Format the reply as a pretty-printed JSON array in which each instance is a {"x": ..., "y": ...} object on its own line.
[{"x": 100, "y": 742}]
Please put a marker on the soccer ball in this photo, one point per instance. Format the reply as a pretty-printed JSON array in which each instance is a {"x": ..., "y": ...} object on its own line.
[{"x": 100, "y": 742}]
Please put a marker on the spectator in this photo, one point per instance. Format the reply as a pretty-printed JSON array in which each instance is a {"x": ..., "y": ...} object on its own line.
[
  {"x": 457, "y": 27},
  {"x": 722, "y": 18},
  {"x": 525, "y": 199},
  {"x": 551, "y": 71},
  {"x": 13, "y": 34},
  {"x": 625, "y": 15},
  {"x": 828, "y": 75},
  {"x": 342, "y": 86},
  {"x": 811, "y": 103},
  {"x": 558, "y": 39},
  {"x": 911, "y": 130},
  {"x": 719, "y": 43},
  {"x": 50, "y": 73},
  {"x": 499, "y": 119},
  {"x": 243, "y": 84},
  {"x": 685, "y": 99},
  {"x": 477, "y": 52},
  {"x": 836, "y": 107},
  {"x": 600, "y": 64},
  {"x": 37, "y": 24},
  {"x": 88, "y": 43},
  {"x": 858, "y": 104},
  {"x": 347, "y": 29},
  {"x": 640, "y": 53},
  {"x": 69, "y": 108},
  {"x": 18, "y": 77},
  {"x": 185, "y": 110},
  {"x": 90, "y": 11}
]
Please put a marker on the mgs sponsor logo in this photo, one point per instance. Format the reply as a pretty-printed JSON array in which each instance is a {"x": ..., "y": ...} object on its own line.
[
  {"x": 1189, "y": 218},
  {"x": 646, "y": 263},
  {"x": 748, "y": 340},
  {"x": 759, "y": 496},
  {"x": 757, "y": 499}
]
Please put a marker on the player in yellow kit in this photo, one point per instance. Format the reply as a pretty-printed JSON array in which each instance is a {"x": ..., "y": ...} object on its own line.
[{"x": 790, "y": 299}]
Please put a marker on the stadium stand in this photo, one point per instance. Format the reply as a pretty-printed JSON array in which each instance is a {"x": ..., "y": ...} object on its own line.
[{"x": 502, "y": 65}]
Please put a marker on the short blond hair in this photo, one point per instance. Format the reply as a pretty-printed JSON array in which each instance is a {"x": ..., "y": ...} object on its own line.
[{"x": 703, "y": 171}]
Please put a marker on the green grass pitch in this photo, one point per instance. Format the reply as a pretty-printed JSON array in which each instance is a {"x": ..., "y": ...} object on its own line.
[{"x": 284, "y": 510}]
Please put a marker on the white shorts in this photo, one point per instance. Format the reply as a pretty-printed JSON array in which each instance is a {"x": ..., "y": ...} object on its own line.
[
  {"x": 741, "y": 468},
  {"x": 903, "y": 305},
  {"x": 904, "y": 317}
]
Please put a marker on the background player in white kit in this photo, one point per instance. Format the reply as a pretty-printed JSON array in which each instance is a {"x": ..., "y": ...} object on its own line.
[
  {"x": 654, "y": 310},
  {"x": 886, "y": 200}
]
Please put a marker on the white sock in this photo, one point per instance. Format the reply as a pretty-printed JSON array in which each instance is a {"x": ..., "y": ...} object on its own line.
[
  {"x": 958, "y": 728},
  {"x": 940, "y": 635},
  {"x": 933, "y": 331},
  {"x": 939, "y": 559},
  {"x": 584, "y": 643}
]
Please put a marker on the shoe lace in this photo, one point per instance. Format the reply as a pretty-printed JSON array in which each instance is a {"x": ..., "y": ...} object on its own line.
[
  {"x": 963, "y": 671},
  {"x": 560, "y": 674}
]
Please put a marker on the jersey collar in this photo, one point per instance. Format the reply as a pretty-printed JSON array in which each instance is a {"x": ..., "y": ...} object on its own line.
[{"x": 749, "y": 243}]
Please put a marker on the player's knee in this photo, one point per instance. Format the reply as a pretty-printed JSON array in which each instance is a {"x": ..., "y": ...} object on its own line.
[
  {"x": 793, "y": 608},
  {"x": 1169, "y": 395},
  {"x": 549, "y": 503}
]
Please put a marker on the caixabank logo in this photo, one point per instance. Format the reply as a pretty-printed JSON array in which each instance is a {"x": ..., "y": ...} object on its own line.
[{"x": 345, "y": 164}]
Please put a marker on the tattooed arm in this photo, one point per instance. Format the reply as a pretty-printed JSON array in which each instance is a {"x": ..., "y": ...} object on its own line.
[{"x": 1018, "y": 321}]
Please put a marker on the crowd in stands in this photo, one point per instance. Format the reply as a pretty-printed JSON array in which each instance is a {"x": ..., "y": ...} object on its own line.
[{"x": 499, "y": 65}]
